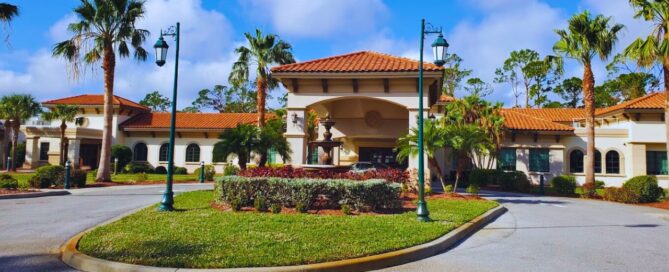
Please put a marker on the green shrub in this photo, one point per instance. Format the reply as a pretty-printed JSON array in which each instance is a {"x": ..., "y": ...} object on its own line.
[
  {"x": 646, "y": 187},
  {"x": 160, "y": 170},
  {"x": 275, "y": 208},
  {"x": 47, "y": 176},
  {"x": 564, "y": 185},
  {"x": 449, "y": 188},
  {"x": 236, "y": 204},
  {"x": 428, "y": 190},
  {"x": 138, "y": 167},
  {"x": 360, "y": 195},
  {"x": 122, "y": 153},
  {"x": 599, "y": 184},
  {"x": 301, "y": 207},
  {"x": 473, "y": 189},
  {"x": 78, "y": 178},
  {"x": 260, "y": 204},
  {"x": 514, "y": 181},
  {"x": 209, "y": 172},
  {"x": 623, "y": 195},
  {"x": 346, "y": 209},
  {"x": 20, "y": 154},
  {"x": 8, "y": 182},
  {"x": 230, "y": 170},
  {"x": 484, "y": 177},
  {"x": 180, "y": 170}
]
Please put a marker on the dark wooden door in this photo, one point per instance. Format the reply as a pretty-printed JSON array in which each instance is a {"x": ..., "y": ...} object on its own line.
[
  {"x": 89, "y": 155},
  {"x": 384, "y": 155}
]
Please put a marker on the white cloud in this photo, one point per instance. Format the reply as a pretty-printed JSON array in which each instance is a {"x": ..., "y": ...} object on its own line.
[
  {"x": 322, "y": 18},
  {"x": 507, "y": 25},
  {"x": 206, "y": 57}
]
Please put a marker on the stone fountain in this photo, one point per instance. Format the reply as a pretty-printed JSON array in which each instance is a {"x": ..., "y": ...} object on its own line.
[{"x": 327, "y": 144}]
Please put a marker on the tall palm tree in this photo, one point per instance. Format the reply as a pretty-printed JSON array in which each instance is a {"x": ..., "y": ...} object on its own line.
[
  {"x": 64, "y": 113},
  {"x": 16, "y": 108},
  {"x": 240, "y": 141},
  {"x": 433, "y": 140},
  {"x": 655, "y": 48},
  {"x": 262, "y": 52},
  {"x": 585, "y": 38},
  {"x": 105, "y": 28},
  {"x": 8, "y": 12}
]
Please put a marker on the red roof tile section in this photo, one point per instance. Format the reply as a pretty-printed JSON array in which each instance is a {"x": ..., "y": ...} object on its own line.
[
  {"x": 186, "y": 120},
  {"x": 364, "y": 61},
  {"x": 553, "y": 114},
  {"x": 95, "y": 99},
  {"x": 515, "y": 120},
  {"x": 650, "y": 101}
]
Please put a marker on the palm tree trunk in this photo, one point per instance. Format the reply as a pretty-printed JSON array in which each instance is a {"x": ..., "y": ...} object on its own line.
[
  {"x": 242, "y": 160},
  {"x": 435, "y": 165},
  {"x": 458, "y": 171},
  {"x": 16, "y": 126},
  {"x": 666, "y": 102},
  {"x": 108, "y": 65},
  {"x": 63, "y": 127},
  {"x": 261, "y": 88},
  {"x": 589, "y": 101}
]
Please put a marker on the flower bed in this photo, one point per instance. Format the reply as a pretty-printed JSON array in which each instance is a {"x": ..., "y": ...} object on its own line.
[
  {"x": 307, "y": 194},
  {"x": 390, "y": 175}
]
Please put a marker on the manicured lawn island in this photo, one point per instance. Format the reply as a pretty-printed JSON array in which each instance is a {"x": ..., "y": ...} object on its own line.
[
  {"x": 150, "y": 178},
  {"x": 200, "y": 236}
]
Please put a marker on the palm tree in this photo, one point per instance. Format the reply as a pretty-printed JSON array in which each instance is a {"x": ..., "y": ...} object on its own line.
[
  {"x": 271, "y": 137},
  {"x": 655, "y": 49},
  {"x": 585, "y": 38},
  {"x": 8, "y": 12},
  {"x": 263, "y": 51},
  {"x": 466, "y": 141},
  {"x": 105, "y": 28},
  {"x": 16, "y": 108},
  {"x": 64, "y": 113},
  {"x": 240, "y": 141},
  {"x": 433, "y": 139}
]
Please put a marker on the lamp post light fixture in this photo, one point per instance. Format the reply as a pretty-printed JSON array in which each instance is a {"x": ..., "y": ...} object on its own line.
[
  {"x": 439, "y": 49},
  {"x": 115, "y": 166},
  {"x": 202, "y": 172},
  {"x": 161, "y": 47},
  {"x": 66, "y": 183}
]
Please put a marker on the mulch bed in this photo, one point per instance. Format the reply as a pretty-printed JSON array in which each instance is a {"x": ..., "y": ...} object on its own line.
[
  {"x": 660, "y": 205},
  {"x": 408, "y": 204},
  {"x": 16, "y": 192}
]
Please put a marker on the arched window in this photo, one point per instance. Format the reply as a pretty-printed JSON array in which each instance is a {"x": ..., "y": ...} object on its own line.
[
  {"x": 612, "y": 162},
  {"x": 162, "y": 154},
  {"x": 598, "y": 161},
  {"x": 139, "y": 152},
  {"x": 576, "y": 161},
  {"x": 192, "y": 153}
]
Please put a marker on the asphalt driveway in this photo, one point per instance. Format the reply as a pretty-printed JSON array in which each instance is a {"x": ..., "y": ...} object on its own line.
[
  {"x": 560, "y": 234},
  {"x": 33, "y": 229}
]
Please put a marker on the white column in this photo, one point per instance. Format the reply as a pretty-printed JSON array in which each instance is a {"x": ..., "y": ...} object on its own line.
[
  {"x": 296, "y": 135},
  {"x": 73, "y": 148},
  {"x": 32, "y": 153}
]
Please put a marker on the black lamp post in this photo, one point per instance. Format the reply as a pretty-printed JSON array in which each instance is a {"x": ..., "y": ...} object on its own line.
[
  {"x": 439, "y": 47},
  {"x": 167, "y": 203}
]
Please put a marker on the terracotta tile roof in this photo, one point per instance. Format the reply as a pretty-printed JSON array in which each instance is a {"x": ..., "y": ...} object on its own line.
[
  {"x": 95, "y": 99},
  {"x": 363, "y": 61},
  {"x": 515, "y": 120},
  {"x": 552, "y": 114},
  {"x": 215, "y": 121},
  {"x": 650, "y": 101}
]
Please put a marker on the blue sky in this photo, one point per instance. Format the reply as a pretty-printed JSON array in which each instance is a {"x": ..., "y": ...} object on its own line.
[{"x": 482, "y": 32}]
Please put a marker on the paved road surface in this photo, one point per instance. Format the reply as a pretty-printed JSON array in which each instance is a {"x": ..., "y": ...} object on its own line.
[
  {"x": 33, "y": 229},
  {"x": 560, "y": 234}
]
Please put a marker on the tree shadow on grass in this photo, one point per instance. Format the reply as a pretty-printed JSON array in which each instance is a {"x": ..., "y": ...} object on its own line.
[{"x": 162, "y": 252}]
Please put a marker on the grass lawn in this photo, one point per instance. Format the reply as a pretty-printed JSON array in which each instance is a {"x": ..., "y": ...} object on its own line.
[
  {"x": 124, "y": 178},
  {"x": 198, "y": 236}
]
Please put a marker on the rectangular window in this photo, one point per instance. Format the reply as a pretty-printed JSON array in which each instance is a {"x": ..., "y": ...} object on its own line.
[
  {"x": 507, "y": 159},
  {"x": 539, "y": 160},
  {"x": 44, "y": 151},
  {"x": 656, "y": 163},
  {"x": 313, "y": 155},
  {"x": 271, "y": 155}
]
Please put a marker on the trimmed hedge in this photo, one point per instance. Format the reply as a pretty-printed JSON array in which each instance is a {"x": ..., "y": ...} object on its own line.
[
  {"x": 564, "y": 185},
  {"x": 122, "y": 153},
  {"x": 624, "y": 195},
  {"x": 507, "y": 180},
  {"x": 8, "y": 182},
  {"x": 209, "y": 172},
  {"x": 78, "y": 178},
  {"x": 160, "y": 170},
  {"x": 180, "y": 170},
  {"x": 138, "y": 167},
  {"x": 308, "y": 193},
  {"x": 646, "y": 188},
  {"x": 390, "y": 174},
  {"x": 47, "y": 176}
]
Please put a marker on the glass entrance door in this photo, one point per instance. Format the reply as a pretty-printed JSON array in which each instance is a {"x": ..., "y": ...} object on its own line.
[{"x": 384, "y": 155}]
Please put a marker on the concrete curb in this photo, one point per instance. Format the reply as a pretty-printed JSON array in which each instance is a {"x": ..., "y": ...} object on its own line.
[
  {"x": 72, "y": 257},
  {"x": 35, "y": 194}
]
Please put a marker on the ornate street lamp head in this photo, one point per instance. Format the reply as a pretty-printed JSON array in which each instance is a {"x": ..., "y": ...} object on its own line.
[
  {"x": 439, "y": 48},
  {"x": 161, "y": 50}
]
